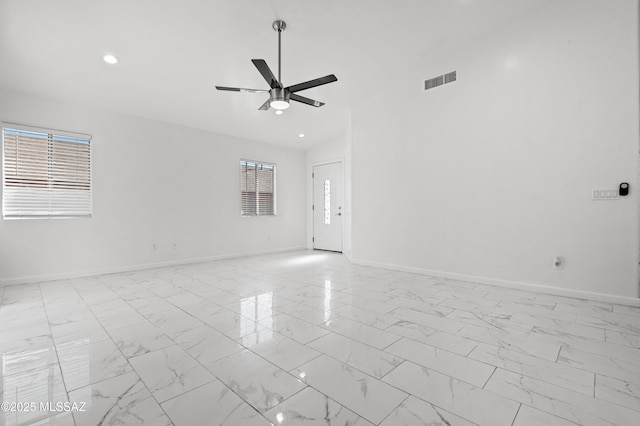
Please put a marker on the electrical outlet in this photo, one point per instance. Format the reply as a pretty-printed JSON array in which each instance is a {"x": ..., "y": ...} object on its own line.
[
  {"x": 154, "y": 246},
  {"x": 174, "y": 246},
  {"x": 558, "y": 262}
]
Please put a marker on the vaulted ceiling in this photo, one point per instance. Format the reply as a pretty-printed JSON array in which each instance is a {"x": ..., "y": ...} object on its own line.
[{"x": 172, "y": 53}]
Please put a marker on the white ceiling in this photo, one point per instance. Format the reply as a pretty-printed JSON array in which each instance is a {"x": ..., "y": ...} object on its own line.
[{"x": 172, "y": 53}]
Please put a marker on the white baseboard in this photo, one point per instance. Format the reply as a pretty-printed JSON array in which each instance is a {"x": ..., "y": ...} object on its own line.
[
  {"x": 579, "y": 294},
  {"x": 347, "y": 254},
  {"x": 138, "y": 267},
  {"x": 556, "y": 291}
]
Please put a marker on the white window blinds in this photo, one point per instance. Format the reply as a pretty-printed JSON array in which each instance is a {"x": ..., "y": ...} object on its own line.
[
  {"x": 257, "y": 188},
  {"x": 45, "y": 173}
]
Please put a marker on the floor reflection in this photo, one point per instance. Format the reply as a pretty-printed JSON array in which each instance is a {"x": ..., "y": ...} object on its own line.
[
  {"x": 327, "y": 300},
  {"x": 254, "y": 309}
]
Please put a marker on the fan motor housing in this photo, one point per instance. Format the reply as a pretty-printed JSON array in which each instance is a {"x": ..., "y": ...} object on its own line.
[{"x": 278, "y": 94}]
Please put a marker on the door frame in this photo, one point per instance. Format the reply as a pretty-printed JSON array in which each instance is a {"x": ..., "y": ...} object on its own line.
[{"x": 312, "y": 194}]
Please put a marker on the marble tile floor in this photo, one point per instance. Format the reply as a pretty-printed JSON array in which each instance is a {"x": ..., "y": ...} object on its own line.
[{"x": 306, "y": 338}]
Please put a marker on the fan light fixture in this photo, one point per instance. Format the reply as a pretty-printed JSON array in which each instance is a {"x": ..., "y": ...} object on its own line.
[
  {"x": 279, "y": 104},
  {"x": 278, "y": 98}
]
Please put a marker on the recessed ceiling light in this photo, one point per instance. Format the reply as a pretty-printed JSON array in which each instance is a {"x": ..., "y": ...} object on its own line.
[
  {"x": 301, "y": 135},
  {"x": 279, "y": 112},
  {"x": 110, "y": 59}
]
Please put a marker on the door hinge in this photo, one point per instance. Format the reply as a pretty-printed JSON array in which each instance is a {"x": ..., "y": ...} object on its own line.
[
  {"x": 313, "y": 175},
  {"x": 313, "y": 239},
  {"x": 313, "y": 207}
]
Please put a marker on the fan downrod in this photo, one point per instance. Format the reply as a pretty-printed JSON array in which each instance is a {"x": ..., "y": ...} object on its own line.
[{"x": 279, "y": 26}]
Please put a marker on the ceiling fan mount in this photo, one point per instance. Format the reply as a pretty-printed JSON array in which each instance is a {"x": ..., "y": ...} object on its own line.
[
  {"x": 279, "y": 25},
  {"x": 279, "y": 96}
]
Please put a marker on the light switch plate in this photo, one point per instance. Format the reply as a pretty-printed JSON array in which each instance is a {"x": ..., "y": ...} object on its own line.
[{"x": 605, "y": 194}]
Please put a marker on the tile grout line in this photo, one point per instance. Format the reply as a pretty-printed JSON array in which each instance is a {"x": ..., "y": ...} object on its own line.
[
  {"x": 490, "y": 376},
  {"x": 395, "y": 408},
  {"x": 55, "y": 348},
  {"x": 516, "y": 416}
]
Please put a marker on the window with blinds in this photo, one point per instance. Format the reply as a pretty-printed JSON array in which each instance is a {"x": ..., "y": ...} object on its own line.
[
  {"x": 257, "y": 188},
  {"x": 45, "y": 173}
]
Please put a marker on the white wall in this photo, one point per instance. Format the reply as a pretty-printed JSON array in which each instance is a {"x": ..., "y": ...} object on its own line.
[
  {"x": 490, "y": 177},
  {"x": 156, "y": 183}
]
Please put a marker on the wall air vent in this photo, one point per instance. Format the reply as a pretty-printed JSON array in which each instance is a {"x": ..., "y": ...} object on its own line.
[
  {"x": 434, "y": 82},
  {"x": 449, "y": 77}
]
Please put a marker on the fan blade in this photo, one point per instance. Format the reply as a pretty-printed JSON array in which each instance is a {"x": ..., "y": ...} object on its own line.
[
  {"x": 266, "y": 73},
  {"x": 312, "y": 83},
  {"x": 265, "y": 106},
  {"x": 307, "y": 101},
  {"x": 240, "y": 89}
]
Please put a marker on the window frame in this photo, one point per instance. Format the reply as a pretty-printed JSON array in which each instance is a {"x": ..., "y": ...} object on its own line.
[
  {"x": 53, "y": 184},
  {"x": 256, "y": 212}
]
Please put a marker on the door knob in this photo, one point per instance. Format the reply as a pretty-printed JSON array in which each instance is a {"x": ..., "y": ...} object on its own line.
[{"x": 339, "y": 214}]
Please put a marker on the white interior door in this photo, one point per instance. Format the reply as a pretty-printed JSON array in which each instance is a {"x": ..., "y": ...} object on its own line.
[{"x": 328, "y": 206}]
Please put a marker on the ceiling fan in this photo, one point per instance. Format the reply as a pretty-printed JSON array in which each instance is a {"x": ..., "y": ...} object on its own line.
[{"x": 279, "y": 96}]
